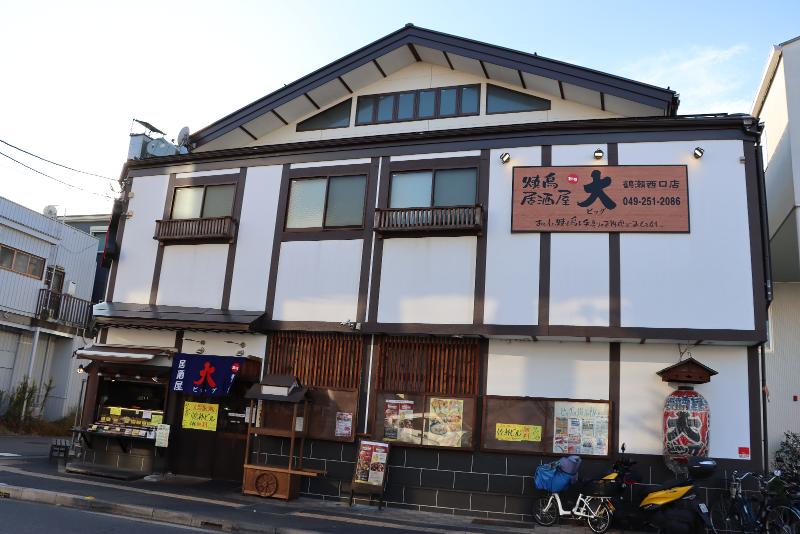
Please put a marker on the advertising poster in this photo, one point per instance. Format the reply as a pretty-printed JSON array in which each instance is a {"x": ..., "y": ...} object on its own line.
[
  {"x": 198, "y": 374},
  {"x": 580, "y": 428},
  {"x": 514, "y": 432},
  {"x": 371, "y": 463},
  {"x": 398, "y": 421},
  {"x": 444, "y": 422},
  {"x": 344, "y": 424},
  {"x": 200, "y": 416},
  {"x": 162, "y": 436}
]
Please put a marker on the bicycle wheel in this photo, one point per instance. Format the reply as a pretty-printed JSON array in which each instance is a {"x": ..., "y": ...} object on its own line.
[
  {"x": 545, "y": 511},
  {"x": 601, "y": 520},
  {"x": 726, "y": 517},
  {"x": 783, "y": 520}
]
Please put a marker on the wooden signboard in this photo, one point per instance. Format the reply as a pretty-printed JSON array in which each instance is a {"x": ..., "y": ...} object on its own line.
[
  {"x": 601, "y": 198},
  {"x": 371, "y": 471}
]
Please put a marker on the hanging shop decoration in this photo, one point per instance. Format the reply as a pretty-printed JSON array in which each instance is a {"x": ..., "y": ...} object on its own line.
[
  {"x": 615, "y": 198},
  {"x": 201, "y": 375},
  {"x": 687, "y": 415}
]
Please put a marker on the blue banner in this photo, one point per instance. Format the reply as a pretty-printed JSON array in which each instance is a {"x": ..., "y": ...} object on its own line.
[{"x": 198, "y": 374}]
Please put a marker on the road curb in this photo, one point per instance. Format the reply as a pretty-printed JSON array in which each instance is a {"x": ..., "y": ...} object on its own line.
[{"x": 139, "y": 512}]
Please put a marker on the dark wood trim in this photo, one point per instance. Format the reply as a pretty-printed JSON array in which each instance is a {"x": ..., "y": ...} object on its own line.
[
  {"x": 614, "y": 367},
  {"x": 90, "y": 395},
  {"x": 561, "y": 89},
  {"x": 167, "y": 324},
  {"x": 544, "y": 255},
  {"x": 414, "y": 53},
  {"x": 308, "y": 96},
  {"x": 103, "y": 336},
  {"x": 160, "y": 252},
  {"x": 179, "y": 340},
  {"x": 280, "y": 221},
  {"x": 757, "y": 248},
  {"x": 483, "y": 68},
  {"x": 602, "y": 101},
  {"x": 447, "y": 58},
  {"x": 366, "y": 249},
  {"x": 480, "y": 246},
  {"x": 192, "y": 181},
  {"x": 304, "y": 326},
  {"x": 331, "y": 170},
  {"x": 522, "y": 79},
  {"x": 596, "y": 131},
  {"x": 614, "y": 261},
  {"x": 433, "y": 164},
  {"x": 322, "y": 235},
  {"x": 274, "y": 112},
  {"x": 231, "y": 261},
  {"x": 245, "y": 130},
  {"x": 377, "y": 252},
  {"x": 344, "y": 84},
  {"x": 613, "y": 153},
  {"x": 378, "y": 66},
  {"x": 764, "y": 399},
  {"x": 754, "y": 391}
]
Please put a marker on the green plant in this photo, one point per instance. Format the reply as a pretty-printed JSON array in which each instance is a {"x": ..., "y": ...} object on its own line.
[
  {"x": 787, "y": 457},
  {"x": 20, "y": 399},
  {"x": 48, "y": 388}
]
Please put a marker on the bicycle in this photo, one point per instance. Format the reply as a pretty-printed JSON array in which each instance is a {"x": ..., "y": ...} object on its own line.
[
  {"x": 595, "y": 510},
  {"x": 735, "y": 513}
]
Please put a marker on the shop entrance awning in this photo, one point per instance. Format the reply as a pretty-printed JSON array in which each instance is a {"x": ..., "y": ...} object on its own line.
[{"x": 122, "y": 353}]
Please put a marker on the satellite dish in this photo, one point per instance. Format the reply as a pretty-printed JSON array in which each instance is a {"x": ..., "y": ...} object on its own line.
[
  {"x": 50, "y": 211},
  {"x": 183, "y": 136}
]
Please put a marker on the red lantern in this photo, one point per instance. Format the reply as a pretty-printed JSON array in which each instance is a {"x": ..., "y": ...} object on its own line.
[{"x": 686, "y": 427}]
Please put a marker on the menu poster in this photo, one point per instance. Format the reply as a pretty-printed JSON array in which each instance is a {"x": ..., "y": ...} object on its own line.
[
  {"x": 371, "y": 463},
  {"x": 445, "y": 422},
  {"x": 162, "y": 436},
  {"x": 344, "y": 424},
  {"x": 398, "y": 423},
  {"x": 580, "y": 428}
]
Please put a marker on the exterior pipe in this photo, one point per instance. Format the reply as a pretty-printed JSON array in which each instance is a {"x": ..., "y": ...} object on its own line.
[
  {"x": 34, "y": 348},
  {"x": 762, "y": 200},
  {"x": 764, "y": 401}
]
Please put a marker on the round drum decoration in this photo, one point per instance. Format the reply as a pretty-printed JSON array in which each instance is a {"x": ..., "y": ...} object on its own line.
[
  {"x": 686, "y": 422},
  {"x": 266, "y": 484}
]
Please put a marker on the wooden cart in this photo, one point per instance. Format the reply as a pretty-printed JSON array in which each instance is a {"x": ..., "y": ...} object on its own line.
[{"x": 276, "y": 395}]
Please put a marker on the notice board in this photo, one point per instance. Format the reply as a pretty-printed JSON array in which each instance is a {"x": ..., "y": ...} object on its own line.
[
  {"x": 601, "y": 198},
  {"x": 546, "y": 426}
]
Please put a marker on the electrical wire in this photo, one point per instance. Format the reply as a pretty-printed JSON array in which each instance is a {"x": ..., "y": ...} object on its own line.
[
  {"x": 56, "y": 179},
  {"x": 54, "y": 163}
]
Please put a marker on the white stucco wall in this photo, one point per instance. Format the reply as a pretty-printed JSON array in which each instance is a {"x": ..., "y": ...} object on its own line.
[
  {"x": 428, "y": 280},
  {"x": 225, "y": 344},
  {"x": 548, "y": 369},
  {"x": 137, "y": 257},
  {"x": 701, "y": 279},
  {"x": 254, "y": 242},
  {"x": 192, "y": 275},
  {"x": 642, "y": 395},
  {"x": 143, "y": 338},
  {"x": 318, "y": 281},
  {"x": 512, "y": 260}
]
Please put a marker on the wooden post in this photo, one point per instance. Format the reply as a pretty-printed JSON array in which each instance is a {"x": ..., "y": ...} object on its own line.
[
  {"x": 249, "y": 428},
  {"x": 303, "y": 437},
  {"x": 293, "y": 432},
  {"x": 90, "y": 398}
]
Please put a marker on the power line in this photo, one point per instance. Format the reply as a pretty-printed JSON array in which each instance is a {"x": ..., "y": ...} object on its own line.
[
  {"x": 56, "y": 179},
  {"x": 54, "y": 163}
]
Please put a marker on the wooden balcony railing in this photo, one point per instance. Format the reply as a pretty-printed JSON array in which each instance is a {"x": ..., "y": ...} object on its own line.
[
  {"x": 207, "y": 230},
  {"x": 462, "y": 220},
  {"x": 63, "y": 309}
]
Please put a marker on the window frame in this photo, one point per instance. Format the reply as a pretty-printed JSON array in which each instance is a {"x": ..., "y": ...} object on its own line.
[
  {"x": 318, "y": 173},
  {"x": 300, "y": 128},
  {"x": 416, "y": 116},
  {"x": 203, "y": 201},
  {"x": 434, "y": 170},
  {"x": 486, "y": 101},
  {"x": 26, "y": 273}
]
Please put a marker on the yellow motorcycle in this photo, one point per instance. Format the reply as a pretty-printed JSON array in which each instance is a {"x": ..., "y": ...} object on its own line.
[{"x": 672, "y": 507}]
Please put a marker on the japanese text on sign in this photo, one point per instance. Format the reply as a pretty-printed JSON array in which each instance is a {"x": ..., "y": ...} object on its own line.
[
  {"x": 200, "y": 416},
  {"x": 600, "y": 199},
  {"x": 513, "y": 432}
]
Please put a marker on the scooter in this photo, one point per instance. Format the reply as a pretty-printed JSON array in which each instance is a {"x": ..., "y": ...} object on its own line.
[{"x": 672, "y": 507}]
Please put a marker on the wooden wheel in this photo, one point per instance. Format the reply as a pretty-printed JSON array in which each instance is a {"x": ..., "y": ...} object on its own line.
[{"x": 266, "y": 484}]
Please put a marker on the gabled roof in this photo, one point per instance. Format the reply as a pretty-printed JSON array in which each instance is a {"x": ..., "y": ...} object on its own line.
[
  {"x": 769, "y": 73},
  {"x": 412, "y": 43}
]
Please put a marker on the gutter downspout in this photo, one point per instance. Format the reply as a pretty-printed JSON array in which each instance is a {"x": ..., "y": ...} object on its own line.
[
  {"x": 764, "y": 401},
  {"x": 762, "y": 201},
  {"x": 34, "y": 348}
]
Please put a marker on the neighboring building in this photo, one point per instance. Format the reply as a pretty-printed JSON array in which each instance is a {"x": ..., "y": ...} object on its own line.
[
  {"x": 355, "y": 229},
  {"x": 97, "y": 226},
  {"x": 46, "y": 276},
  {"x": 777, "y": 104}
]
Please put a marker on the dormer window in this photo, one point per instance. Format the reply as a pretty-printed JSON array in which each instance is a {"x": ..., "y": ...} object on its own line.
[
  {"x": 203, "y": 202},
  {"x": 437, "y": 103}
]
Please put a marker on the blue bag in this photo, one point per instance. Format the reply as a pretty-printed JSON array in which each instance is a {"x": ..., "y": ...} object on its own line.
[{"x": 549, "y": 477}]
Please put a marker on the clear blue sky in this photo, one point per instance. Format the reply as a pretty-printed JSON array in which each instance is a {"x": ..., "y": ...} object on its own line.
[{"x": 75, "y": 73}]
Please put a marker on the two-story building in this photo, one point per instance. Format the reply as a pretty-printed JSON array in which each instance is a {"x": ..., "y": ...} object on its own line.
[
  {"x": 480, "y": 255},
  {"x": 46, "y": 276}
]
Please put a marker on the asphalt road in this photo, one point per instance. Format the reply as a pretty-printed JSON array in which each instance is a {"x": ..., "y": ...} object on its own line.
[{"x": 30, "y": 518}]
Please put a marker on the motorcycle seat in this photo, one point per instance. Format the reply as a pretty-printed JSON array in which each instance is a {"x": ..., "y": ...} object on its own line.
[{"x": 673, "y": 484}]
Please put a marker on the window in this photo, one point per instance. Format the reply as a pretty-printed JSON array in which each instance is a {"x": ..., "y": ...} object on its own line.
[
  {"x": 447, "y": 187},
  {"x": 337, "y": 116},
  {"x": 502, "y": 100},
  {"x": 436, "y": 103},
  {"x": 54, "y": 279},
  {"x": 20, "y": 262},
  {"x": 326, "y": 202},
  {"x": 203, "y": 202}
]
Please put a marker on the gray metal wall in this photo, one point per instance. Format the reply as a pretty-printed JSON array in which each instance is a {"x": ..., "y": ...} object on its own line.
[{"x": 783, "y": 364}]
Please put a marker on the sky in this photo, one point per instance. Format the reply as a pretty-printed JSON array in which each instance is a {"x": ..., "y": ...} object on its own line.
[{"x": 75, "y": 74}]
